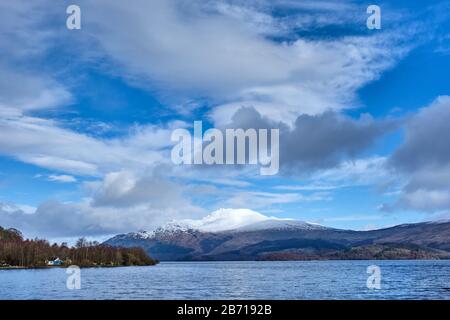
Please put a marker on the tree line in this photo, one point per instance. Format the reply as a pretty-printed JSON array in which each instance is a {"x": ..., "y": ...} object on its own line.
[{"x": 32, "y": 253}]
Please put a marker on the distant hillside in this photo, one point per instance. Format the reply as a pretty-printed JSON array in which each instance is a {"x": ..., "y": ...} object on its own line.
[
  {"x": 18, "y": 252},
  {"x": 292, "y": 240}
]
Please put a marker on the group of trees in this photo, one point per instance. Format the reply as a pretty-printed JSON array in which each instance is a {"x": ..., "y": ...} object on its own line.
[{"x": 16, "y": 251}]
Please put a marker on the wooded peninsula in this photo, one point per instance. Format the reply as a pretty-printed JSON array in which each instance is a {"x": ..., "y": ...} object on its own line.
[{"x": 17, "y": 252}]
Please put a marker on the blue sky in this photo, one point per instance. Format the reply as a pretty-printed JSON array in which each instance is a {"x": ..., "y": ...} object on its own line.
[{"x": 86, "y": 115}]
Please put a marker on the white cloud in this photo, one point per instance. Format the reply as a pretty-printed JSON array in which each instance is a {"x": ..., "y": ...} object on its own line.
[
  {"x": 43, "y": 143},
  {"x": 310, "y": 187},
  {"x": 365, "y": 171},
  {"x": 227, "y": 182},
  {"x": 423, "y": 160},
  {"x": 323, "y": 75},
  {"x": 201, "y": 48},
  {"x": 12, "y": 208},
  {"x": 427, "y": 200},
  {"x": 21, "y": 92},
  {"x": 126, "y": 189},
  {"x": 122, "y": 202},
  {"x": 26, "y": 38},
  {"x": 63, "y": 178},
  {"x": 265, "y": 200}
]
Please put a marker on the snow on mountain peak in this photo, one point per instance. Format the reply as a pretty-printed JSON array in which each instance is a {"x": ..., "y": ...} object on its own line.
[
  {"x": 227, "y": 220},
  {"x": 280, "y": 224}
]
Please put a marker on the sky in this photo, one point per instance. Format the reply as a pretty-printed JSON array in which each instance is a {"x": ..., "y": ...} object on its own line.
[{"x": 86, "y": 116}]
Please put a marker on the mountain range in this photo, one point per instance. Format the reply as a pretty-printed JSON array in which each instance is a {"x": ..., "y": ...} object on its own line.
[{"x": 247, "y": 235}]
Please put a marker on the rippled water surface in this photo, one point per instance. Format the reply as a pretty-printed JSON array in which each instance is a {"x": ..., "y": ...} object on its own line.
[{"x": 236, "y": 280}]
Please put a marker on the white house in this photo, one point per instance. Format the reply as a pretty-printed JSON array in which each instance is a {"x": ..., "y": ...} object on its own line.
[{"x": 55, "y": 262}]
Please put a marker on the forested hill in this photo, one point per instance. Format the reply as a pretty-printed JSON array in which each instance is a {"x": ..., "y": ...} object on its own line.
[{"x": 15, "y": 251}]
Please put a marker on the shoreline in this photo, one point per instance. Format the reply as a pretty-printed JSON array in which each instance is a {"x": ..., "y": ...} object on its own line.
[
  {"x": 65, "y": 267},
  {"x": 209, "y": 261}
]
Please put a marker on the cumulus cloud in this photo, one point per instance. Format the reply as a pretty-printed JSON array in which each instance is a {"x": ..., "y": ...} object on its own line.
[
  {"x": 317, "y": 142},
  {"x": 121, "y": 202},
  {"x": 125, "y": 189},
  {"x": 425, "y": 144},
  {"x": 325, "y": 140},
  {"x": 424, "y": 158},
  {"x": 53, "y": 218}
]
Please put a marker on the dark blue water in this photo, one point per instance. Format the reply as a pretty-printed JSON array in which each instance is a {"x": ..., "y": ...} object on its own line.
[{"x": 237, "y": 280}]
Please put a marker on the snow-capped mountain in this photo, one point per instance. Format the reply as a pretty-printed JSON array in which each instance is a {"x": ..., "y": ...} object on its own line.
[
  {"x": 243, "y": 234},
  {"x": 169, "y": 228},
  {"x": 223, "y": 220}
]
